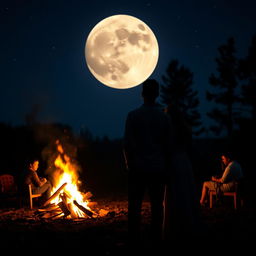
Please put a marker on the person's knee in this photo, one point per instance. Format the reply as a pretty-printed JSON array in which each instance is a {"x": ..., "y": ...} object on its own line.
[{"x": 206, "y": 185}]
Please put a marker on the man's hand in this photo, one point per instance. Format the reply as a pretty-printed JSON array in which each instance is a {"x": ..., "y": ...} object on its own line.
[
  {"x": 43, "y": 180},
  {"x": 214, "y": 178}
]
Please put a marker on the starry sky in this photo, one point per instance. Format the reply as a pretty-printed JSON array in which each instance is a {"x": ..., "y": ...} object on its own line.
[{"x": 43, "y": 67}]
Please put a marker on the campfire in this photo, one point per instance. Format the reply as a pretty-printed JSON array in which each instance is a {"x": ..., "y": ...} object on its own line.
[{"x": 66, "y": 200}]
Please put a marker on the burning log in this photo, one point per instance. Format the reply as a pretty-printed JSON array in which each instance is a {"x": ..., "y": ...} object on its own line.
[
  {"x": 67, "y": 207},
  {"x": 49, "y": 211},
  {"x": 55, "y": 211},
  {"x": 64, "y": 208},
  {"x": 52, "y": 215},
  {"x": 72, "y": 212},
  {"x": 86, "y": 211},
  {"x": 55, "y": 194},
  {"x": 50, "y": 207}
]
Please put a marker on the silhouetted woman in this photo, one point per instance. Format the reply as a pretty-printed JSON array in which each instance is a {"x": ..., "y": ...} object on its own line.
[{"x": 181, "y": 210}]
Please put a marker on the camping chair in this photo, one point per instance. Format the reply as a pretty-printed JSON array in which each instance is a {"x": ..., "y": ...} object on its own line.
[
  {"x": 233, "y": 194},
  {"x": 7, "y": 183},
  {"x": 8, "y": 188},
  {"x": 31, "y": 196}
]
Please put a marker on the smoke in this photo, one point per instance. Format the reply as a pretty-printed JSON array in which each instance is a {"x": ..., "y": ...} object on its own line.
[{"x": 59, "y": 151}]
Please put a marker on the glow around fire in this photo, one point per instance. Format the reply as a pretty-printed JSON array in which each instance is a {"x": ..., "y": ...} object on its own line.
[{"x": 66, "y": 172}]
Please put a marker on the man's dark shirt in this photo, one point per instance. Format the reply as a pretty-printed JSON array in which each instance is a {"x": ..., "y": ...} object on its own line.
[
  {"x": 147, "y": 137},
  {"x": 32, "y": 178}
]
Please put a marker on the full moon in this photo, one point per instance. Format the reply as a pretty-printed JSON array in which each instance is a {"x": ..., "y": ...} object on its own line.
[{"x": 121, "y": 51}]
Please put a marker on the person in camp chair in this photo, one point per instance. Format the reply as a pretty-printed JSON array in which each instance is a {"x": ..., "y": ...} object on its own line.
[
  {"x": 39, "y": 185},
  {"x": 227, "y": 182}
]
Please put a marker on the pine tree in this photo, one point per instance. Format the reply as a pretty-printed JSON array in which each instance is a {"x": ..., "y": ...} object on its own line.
[
  {"x": 224, "y": 90},
  {"x": 247, "y": 71},
  {"x": 177, "y": 90}
]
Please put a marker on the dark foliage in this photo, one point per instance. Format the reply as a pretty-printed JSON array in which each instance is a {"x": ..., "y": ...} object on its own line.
[
  {"x": 224, "y": 92},
  {"x": 177, "y": 90}
]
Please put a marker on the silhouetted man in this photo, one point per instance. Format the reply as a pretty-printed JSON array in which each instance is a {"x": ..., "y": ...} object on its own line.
[{"x": 146, "y": 146}]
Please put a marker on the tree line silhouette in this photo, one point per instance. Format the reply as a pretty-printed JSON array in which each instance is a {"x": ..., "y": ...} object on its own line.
[
  {"x": 233, "y": 91},
  {"x": 103, "y": 172}
]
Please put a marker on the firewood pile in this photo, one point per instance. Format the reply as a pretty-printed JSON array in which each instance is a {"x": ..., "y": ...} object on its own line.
[
  {"x": 102, "y": 209},
  {"x": 64, "y": 208},
  {"x": 105, "y": 210}
]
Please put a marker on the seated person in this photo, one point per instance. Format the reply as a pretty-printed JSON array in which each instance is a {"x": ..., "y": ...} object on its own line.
[
  {"x": 39, "y": 185},
  {"x": 232, "y": 174}
]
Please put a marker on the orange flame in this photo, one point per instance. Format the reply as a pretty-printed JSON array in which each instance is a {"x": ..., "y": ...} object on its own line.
[{"x": 67, "y": 172}]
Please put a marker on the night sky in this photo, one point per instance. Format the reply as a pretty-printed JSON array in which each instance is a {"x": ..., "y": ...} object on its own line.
[{"x": 43, "y": 67}]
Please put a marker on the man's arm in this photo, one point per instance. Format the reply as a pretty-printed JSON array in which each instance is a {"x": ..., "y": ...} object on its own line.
[
  {"x": 37, "y": 181},
  {"x": 224, "y": 176},
  {"x": 216, "y": 179}
]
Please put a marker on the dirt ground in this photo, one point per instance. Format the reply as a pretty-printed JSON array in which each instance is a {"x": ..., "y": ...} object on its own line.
[{"x": 23, "y": 229}]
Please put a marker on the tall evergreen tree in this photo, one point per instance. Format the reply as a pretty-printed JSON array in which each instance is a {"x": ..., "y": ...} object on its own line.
[
  {"x": 224, "y": 92},
  {"x": 177, "y": 90},
  {"x": 247, "y": 71}
]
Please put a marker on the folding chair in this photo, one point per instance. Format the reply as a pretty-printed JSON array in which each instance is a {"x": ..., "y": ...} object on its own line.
[
  {"x": 233, "y": 194},
  {"x": 31, "y": 196}
]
